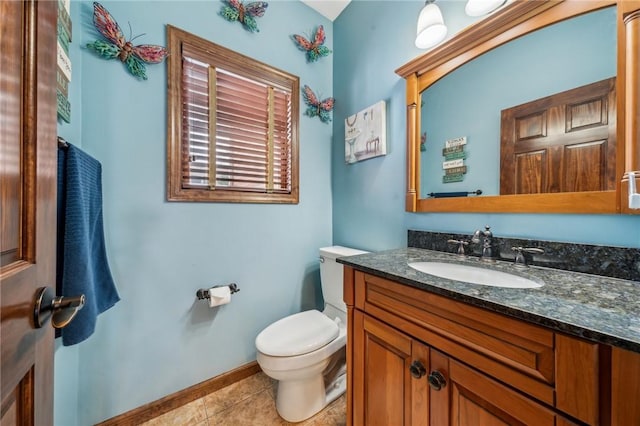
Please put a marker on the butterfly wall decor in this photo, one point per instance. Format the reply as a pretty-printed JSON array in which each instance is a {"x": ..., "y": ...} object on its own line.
[
  {"x": 117, "y": 45},
  {"x": 316, "y": 107},
  {"x": 235, "y": 10},
  {"x": 315, "y": 49}
]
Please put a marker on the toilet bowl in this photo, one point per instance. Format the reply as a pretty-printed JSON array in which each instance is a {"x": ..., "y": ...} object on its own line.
[{"x": 305, "y": 352}]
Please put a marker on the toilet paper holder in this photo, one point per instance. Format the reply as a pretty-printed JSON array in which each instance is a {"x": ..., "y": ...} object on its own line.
[{"x": 203, "y": 293}]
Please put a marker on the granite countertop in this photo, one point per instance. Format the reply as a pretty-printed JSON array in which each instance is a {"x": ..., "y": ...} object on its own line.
[{"x": 600, "y": 309}]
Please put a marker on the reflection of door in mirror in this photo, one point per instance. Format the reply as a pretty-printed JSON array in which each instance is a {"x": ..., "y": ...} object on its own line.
[
  {"x": 467, "y": 101},
  {"x": 561, "y": 143}
]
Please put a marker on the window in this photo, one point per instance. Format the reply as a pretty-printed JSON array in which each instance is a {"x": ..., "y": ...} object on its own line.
[{"x": 232, "y": 128}]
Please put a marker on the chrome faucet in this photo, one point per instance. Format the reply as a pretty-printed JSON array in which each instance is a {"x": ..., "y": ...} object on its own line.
[{"x": 489, "y": 249}]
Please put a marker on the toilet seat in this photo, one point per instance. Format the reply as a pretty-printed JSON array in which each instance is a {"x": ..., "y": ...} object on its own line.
[{"x": 297, "y": 334}]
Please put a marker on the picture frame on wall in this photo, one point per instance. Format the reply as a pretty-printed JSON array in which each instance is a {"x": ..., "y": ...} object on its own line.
[{"x": 365, "y": 133}]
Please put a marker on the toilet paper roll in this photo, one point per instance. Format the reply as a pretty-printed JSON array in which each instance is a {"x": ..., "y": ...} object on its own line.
[{"x": 219, "y": 296}]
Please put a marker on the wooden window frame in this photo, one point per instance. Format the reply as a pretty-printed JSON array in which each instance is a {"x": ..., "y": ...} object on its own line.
[{"x": 218, "y": 56}]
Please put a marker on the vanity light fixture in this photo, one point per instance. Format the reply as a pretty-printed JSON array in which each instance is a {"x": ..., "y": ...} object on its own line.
[
  {"x": 431, "y": 28},
  {"x": 482, "y": 7}
]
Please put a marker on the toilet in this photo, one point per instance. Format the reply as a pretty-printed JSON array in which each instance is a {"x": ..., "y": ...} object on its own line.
[{"x": 306, "y": 351}]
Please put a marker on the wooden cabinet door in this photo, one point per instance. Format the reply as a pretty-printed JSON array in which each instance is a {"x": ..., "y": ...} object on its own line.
[
  {"x": 477, "y": 400},
  {"x": 385, "y": 393},
  {"x": 28, "y": 150},
  {"x": 625, "y": 387}
]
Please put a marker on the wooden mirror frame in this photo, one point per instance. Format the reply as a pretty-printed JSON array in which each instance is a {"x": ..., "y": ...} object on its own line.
[{"x": 514, "y": 20}]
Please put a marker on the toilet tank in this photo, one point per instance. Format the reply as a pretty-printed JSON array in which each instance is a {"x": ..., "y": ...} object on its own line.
[{"x": 331, "y": 274}]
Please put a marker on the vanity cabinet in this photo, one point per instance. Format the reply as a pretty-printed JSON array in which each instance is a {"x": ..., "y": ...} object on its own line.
[
  {"x": 418, "y": 358},
  {"x": 402, "y": 381}
]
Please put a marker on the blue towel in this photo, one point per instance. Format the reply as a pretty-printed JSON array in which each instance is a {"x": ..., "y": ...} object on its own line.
[{"x": 82, "y": 259}]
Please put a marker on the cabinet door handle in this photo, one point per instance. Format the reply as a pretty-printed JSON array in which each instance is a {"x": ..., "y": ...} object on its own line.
[
  {"x": 417, "y": 370},
  {"x": 436, "y": 380}
]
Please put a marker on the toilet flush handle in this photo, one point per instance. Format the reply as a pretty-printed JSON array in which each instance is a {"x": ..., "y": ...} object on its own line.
[{"x": 321, "y": 259}]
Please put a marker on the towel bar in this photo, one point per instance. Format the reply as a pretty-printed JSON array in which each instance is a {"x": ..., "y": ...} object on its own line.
[
  {"x": 62, "y": 144},
  {"x": 453, "y": 194}
]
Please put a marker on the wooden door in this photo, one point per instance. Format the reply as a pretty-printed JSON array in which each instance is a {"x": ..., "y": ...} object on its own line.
[
  {"x": 28, "y": 150},
  {"x": 562, "y": 143},
  {"x": 385, "y": 393}
]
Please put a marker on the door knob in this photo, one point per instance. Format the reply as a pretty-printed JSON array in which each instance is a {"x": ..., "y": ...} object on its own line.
[
  {"x": 436, "y": 380},
  {"x": 417, "y": 370},
  {"x": 60, "y": 309}
]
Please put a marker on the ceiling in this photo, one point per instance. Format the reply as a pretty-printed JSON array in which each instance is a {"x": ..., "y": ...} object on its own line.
[{"x": 328, "y": 8}]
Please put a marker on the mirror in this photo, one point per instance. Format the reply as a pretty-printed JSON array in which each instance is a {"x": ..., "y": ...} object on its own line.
[
  {"x": 588, "y": 47},
  {"x": 467, "y": 102}
]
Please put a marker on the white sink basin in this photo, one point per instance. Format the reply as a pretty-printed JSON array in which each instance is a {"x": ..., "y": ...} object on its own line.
[{"x": 474, "y": 275}]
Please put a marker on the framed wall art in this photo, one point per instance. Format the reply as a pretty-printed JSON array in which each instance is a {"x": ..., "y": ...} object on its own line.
[{"x": 365, "y": 134}]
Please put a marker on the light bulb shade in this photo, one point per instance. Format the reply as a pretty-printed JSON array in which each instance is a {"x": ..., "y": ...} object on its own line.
[
  {"x": 482, "y": 7},
  {"x": 431, "y": 28}
]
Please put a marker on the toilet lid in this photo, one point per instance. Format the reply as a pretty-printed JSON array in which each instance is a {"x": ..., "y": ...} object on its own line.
[{"x": 297, "y": 334}]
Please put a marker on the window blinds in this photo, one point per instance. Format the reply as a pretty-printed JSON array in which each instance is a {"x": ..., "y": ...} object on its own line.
[{"x": 236, "y": 131}]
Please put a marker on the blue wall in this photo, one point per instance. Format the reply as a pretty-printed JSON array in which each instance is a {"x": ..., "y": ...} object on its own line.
[
  {"x": 373, "y": 39},
  {"x": 158, "y": 339}
]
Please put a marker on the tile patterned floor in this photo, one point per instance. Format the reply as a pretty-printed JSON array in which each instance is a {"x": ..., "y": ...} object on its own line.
[{"x": 249, "y": 402}]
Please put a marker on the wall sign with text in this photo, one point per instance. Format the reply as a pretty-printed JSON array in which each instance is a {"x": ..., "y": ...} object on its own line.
[{"x": 454, "y": 156}]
